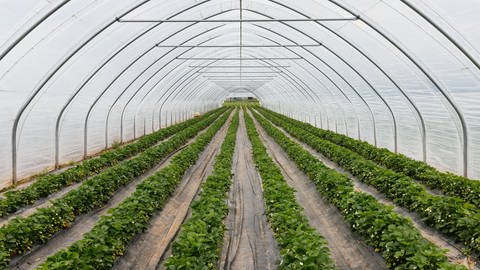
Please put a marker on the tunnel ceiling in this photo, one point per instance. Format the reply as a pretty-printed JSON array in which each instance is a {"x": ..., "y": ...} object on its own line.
[{"x": 76, "y": 76}]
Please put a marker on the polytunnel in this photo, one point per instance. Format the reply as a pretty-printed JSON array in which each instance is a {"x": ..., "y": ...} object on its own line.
[{"x": 82, "y": 78}]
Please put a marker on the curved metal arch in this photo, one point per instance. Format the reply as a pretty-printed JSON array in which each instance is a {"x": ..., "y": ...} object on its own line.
[
  {"x": 113, "y": 81},
  {"x": 47, "y": 79},
  {"x": 145, "y": 53},
  {"x": 351, "y": 86},
  {"x": 194, "y": 90},
  {"x": 363, "y": 78},
  {"x": 133, "y": 81},
  {"x": 165, "y": 75},
  {"x": 31, "y": 28},
  {"x": 131, "y": 98},
  {"x": 180, "y": 78},
  {"x": 183, "y": 87},
  {"x": 458, "y": 112},
  {"x": 177, "y": 92},
  {"x": 277, "y": 85},
  {"x": 156, "y": 84},
  {"x": 202, "y": 84},
  {"x": 465, "y": 138},
  {"x": 153, "y": 119},
  {"x": 298, "y": 80},
  {"x": 197, "y": 76},
  {"x": 121, "y": 94},
  {"x": 324, "y": 75},
  {"x": 99, "y": 68},
  {"x": 392, "y": 114},
  {"x": 209, "y": 97},
  {"x": 182, "y": 112},
  {"x": 172, "y": 91},
  {"x": 343, "y": 79},
  {"x": 211, "y": 91},
  {"x": 315, "y": 93},
  {"x": 177, "y": 83},
  {"x": 256, "y": 94},
  {"x": 152, "y": 87},
  {"x": 326, "y": 111},
  {"x": 143, "y": 84},
  {"x": 195, "y": 93},
  {"x": 300, "y": 31},
  {"x": 195, "y": 106},
  {"x": 149, "y": 30},
  {"x": 418, "y": 114},
  {"x": 306, "y": 60},
  {"x": 443, "y": 32},
  {"x": 318, "y": 99}
]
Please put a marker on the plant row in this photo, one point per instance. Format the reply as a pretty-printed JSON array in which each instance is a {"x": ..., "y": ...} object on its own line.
[
  {"x": 450, "y": 184},
  {"x": 109, "y": 238},
  {"x": 198, "y": 244},
  {"x": 22, "y": 233},
  {"x": 302, "y": 247},
  {"x": 390, "y": 234},
  {"x": 51, "y": 183},
  {"x": 451, "y": 216}
]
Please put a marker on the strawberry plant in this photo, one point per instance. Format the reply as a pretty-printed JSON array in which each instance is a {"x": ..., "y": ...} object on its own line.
[
  {"x": 198, "y": 243},
  {"x": 451, "y": 216},
  {"x": 450, "y": 184},
  {"x": 387, "y": 232},
  {"x": 51, "y": 183},
  {"x": 22, "y": 233},
  {"x": 302, "y": 247},
  {"x": 109, "y": 238}
]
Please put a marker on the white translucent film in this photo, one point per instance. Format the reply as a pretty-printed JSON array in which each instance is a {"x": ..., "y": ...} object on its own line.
[{"x": 74, "y": 78}]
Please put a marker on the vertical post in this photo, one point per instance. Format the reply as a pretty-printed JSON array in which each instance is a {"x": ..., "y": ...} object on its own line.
[
  {"x": 144, "y": 125},
  {"x": 134, "y": 128}
]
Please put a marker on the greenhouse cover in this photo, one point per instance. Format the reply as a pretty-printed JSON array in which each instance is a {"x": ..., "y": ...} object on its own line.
[{"x": 77, "y": 76}]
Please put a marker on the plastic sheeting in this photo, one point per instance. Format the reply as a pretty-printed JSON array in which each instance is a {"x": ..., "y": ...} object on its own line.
[{"x": 400, "y": 74}]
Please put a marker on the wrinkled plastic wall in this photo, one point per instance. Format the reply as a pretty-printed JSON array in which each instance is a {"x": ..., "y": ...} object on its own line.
[{"x": 396, "y": 67}]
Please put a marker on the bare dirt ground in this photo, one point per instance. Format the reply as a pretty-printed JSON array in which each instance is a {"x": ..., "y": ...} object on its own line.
[
  {"x": 347, "y": 250},
  {"x": 83, "y": 223},
  {"x": 149, "y": 248},
  {"x": 454, "y": 250},
  {"x": 249, "y": 242}
]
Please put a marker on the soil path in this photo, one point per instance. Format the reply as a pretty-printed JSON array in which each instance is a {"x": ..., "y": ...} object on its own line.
[
  {"x": 249, "y": 242},
  {"x": 347, "y": 250},
  {"x": 147, "y": 250},
  {"x": 85, "y": 223},
  {"x": 454, "y": 250}
]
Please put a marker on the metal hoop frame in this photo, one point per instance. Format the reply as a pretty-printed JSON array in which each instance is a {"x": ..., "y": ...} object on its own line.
[{"x": 463, "y": 131}]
